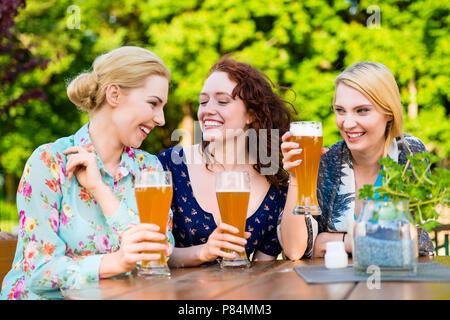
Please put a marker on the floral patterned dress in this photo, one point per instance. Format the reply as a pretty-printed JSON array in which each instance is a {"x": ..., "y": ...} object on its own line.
[
  {"x": 192, "y": 225},
  {"x": 63, "y": 232}
]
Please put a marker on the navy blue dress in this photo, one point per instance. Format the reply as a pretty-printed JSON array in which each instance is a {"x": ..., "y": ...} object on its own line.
[{"x": 192, "y": 225}]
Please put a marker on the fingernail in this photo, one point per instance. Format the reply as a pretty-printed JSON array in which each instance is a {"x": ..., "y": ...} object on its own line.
[
  {"x": 299, "y": 150},
  {"x": 296, "y": 145},
  {"x": 299, "y": 161}
]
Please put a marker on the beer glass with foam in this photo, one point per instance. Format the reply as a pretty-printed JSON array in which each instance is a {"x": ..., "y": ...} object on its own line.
[
  {"x": 153, "y": 190},
  {"x": 308, "y": 134},
  {"x": 233, "y": 193}
]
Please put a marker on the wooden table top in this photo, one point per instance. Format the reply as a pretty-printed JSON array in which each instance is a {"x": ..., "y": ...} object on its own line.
[{"x": 274, "y": 280}]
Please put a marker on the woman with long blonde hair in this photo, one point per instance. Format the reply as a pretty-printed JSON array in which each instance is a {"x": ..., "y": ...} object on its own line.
[{"x": 368, "y": 114}]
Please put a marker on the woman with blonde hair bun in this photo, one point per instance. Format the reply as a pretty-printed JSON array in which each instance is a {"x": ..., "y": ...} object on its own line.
[
  {"x": 369, "y": 116},
  {"x": 78, "y": 215}
]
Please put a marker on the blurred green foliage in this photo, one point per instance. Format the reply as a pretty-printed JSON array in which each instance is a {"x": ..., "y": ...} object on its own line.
[
  {"x": 299, "y": 44},
  {"x": 9, "y": 217}
]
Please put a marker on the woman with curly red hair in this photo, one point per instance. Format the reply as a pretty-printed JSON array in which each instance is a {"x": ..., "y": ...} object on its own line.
[{"x": 242, "y": 120}]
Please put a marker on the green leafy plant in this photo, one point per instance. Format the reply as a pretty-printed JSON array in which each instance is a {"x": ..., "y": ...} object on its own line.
[{"x": 428, "y": 192}]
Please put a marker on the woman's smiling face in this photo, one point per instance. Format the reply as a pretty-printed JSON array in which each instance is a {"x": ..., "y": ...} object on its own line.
[
  {"x": 140, "y": 110},
  {"x": 220, "y": 114},
  {"x": 360, "y": 123}
]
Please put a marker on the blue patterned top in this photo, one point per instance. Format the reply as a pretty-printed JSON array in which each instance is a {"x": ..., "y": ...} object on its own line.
[
  {"x": 192, "y": 225},
  {"x": 336, "y": 186}
]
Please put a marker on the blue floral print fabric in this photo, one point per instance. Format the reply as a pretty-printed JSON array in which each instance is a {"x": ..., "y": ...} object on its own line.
[
  {"x": 193, "y": 226},
  {"x": 336, "y": 186}
]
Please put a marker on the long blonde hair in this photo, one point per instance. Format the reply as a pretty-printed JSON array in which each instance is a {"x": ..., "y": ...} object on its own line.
[
  {"x": 375, "y": 81},
  {"x": 126, "y": 67}
]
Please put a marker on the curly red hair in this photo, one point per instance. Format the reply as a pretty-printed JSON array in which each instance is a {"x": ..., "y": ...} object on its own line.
[{"x": 268, "y": 109}]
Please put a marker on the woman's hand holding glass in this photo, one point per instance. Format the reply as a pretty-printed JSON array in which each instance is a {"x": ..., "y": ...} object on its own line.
[
  {"x": 137, "y": 244},
  {"x": 223, "y": 238},
  {"x": 290, "y": 150}
]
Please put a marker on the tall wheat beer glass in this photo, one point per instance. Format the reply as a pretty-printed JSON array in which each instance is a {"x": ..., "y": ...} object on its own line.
[
  {"x": 233, "y": 193},
  {"x": 153, "y": 190},
  {"x": 308, "y": 134}
]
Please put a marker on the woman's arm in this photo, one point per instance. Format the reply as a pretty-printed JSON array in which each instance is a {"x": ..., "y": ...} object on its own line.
[
  {"x": 320, "y": 245},
  {"x": 135, "y": 244},
  {"x": 294, "y": 234},
  {"x": 82, "y": 163},
  {"x": 187, "y": 257},
  {"x": 221, "y": 238},
  {"x": 46, "y": 263},
  {"x": 260, "y": 256},
  {"x": 192, "y": 256}
]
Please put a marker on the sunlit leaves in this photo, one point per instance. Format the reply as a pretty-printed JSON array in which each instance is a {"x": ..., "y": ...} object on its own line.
[{"x": 300, "y": 44}]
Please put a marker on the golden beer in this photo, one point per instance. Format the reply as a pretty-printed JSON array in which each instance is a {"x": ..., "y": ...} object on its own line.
[
  {"x": 233, "y": 206},
  {"x": 233, "y": 194},
  {"x": 153, "y": 204},
  {"x": 153, "y": 191},
  {"x": 308, "y": 134}
]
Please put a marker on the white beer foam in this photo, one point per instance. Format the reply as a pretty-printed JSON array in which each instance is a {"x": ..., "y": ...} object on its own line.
[
  {"x": 233, "y": 190},
  {"x": 143, "y": 185},
  {"x": 306, "y": 128}
]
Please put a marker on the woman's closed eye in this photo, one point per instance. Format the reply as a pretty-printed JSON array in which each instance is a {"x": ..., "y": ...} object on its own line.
[
  {"x": 222, "y": 99},
  {"x": 152, "y": 103}
]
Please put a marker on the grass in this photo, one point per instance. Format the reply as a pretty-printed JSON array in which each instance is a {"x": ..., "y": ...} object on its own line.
[{"x": 8, "y": 215}]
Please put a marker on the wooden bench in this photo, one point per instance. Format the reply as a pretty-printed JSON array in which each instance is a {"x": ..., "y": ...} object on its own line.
[{"x": 7, "y": 252}]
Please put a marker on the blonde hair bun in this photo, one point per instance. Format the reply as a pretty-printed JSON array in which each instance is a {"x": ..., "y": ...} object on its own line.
[
  {"x": 82, "y": 91},
  {"x": 127, "y": 67}
]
